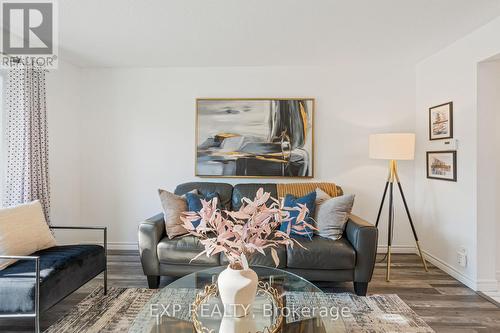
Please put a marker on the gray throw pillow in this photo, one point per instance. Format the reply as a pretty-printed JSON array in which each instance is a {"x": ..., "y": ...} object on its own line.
[
  {"x": 321, "y": 196},
  {"x": 332, "y": 215},
  {"x": 173, "y": 206}
]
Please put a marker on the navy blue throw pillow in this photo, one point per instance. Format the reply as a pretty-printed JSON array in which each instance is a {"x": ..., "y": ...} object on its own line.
[
  {"x": 290, "y": 202},
  {"x": 194, "y": 202}
]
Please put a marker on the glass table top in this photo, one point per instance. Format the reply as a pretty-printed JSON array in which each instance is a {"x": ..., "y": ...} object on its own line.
[{"x": 170, "y": 309}]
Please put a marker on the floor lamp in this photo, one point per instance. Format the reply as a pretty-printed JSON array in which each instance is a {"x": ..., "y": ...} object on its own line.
[{"x": 394, "y": 147}]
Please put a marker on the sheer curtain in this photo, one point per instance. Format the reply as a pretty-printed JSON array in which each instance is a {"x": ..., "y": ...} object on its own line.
[
  {"x": 26, "y": 138},
  {"x": 2, "y": 138}
]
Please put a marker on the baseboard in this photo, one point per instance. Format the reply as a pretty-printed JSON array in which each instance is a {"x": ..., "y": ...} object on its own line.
[
  {"x": 471, "y": 283},
  {"x": 498, "y": 280},
  {"x": 113, "y": 245},
  {"x": 487, "y": 285},
  {"x": 123, "y": 245},
  {"x": 402, "y": 249}
]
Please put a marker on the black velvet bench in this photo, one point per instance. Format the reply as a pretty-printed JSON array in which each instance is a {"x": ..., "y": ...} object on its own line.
[{"x": 37, "y": 282}]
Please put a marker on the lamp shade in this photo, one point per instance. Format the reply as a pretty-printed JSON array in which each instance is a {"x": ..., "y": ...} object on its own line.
[{"x": 392, "y": 146}]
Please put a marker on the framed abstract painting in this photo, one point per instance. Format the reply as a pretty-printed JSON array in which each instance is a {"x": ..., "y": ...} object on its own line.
[{"x": 254, "y": 137}]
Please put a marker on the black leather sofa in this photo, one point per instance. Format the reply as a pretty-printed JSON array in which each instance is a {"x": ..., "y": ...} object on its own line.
[{"x": 352, "y": 258}]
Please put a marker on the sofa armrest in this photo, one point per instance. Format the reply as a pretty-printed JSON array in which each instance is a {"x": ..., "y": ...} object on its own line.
[
  {"x": 363, "y": 237},
  {"x": 151, "y": 231}
]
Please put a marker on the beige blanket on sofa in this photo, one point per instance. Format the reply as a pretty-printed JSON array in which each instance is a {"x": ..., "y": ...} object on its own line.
[{"x": 301, "y": 189}]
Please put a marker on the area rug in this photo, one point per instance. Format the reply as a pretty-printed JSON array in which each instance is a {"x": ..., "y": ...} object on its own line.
[{"x": 116, "y": 311}]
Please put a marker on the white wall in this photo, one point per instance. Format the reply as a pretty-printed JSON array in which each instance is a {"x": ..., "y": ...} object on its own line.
[
  {"x": 447, "y": 211},
  {"x": 489, "y": 116},
  {"x": 497, "y": 168},
  {"x": 137, "y": 132},
  {"x": 64, "y": 97},
  {"x": 488, "y": 166}
]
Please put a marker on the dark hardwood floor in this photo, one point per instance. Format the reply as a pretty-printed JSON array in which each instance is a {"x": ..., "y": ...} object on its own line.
[{"x": 443, "y": 302}]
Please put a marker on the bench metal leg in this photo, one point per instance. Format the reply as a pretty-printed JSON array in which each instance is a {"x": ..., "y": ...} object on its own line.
[
  {"x": 105, "y": 261},
  {"x": 105, "y": 282},
  {"x": 37, "y": 323},
  {"x": 37, "y": 296}
]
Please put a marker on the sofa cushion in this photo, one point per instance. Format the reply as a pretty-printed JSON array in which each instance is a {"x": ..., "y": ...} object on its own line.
[
  {"x": 63, "y": 269},
  {"x": 261, "y": 260},
  {"x": 321, "y": 253},
  {"x": 249, "y": 190},
  {"x": 181, "y": 250},
  {"x": 225, "y": 190}
]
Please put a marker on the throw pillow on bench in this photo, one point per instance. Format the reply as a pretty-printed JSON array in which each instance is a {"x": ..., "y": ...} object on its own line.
[{"x": 23, "y": 231}]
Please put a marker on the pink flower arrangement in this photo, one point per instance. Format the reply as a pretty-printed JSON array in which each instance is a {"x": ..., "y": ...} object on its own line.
[{"x": 251, "y": 229}]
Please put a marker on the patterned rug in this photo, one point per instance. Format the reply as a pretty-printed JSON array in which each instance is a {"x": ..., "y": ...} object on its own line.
[{"x": 116, "y": 312}]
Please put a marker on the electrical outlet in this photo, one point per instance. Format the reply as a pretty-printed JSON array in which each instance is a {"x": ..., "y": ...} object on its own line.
[{"x": 462, "y": 257}]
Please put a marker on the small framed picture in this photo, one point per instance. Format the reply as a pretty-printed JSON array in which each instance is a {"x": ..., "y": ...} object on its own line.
[
  {"x": 441, "y": 122},
  {"x": 442, "y": 165}
]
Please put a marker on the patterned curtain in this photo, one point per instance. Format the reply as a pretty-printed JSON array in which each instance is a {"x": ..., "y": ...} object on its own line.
[{"x": 27, "y": 176}]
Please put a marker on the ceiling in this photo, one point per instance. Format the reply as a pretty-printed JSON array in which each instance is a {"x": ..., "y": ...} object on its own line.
[{"x": 171, "y": 33}]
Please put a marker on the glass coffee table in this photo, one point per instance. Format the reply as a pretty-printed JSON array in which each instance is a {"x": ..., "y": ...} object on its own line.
[{"x": 304, "y": 310}]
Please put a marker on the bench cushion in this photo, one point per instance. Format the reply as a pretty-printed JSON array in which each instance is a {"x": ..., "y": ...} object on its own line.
[
  {"x": 321, "y": 253},
  {"x": 63, "y": 269}
]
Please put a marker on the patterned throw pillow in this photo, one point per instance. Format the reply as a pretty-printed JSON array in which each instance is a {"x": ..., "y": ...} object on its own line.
[
  {"x": 332, "y": 215},
  {"x": 291, "y": 201},
  {"x": 194, "y": 202}
]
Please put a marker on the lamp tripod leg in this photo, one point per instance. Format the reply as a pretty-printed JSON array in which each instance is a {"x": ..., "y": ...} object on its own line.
[
  {"x": 381, "y": 203},
  {"x": 422, "y": 256},
  {"x": 412, "y": 226},
  {"x": 389, "y": 233}
]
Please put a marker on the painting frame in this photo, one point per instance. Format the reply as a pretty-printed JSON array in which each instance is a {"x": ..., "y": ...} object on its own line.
[
  {"x": 453, "y": 167},
  {"x": 449, "y": 120},
  {"x": 199, "y": 100}
]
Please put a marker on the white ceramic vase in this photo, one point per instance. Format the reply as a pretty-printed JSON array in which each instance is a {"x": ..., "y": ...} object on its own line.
[{"x": 237, "y": 290}]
